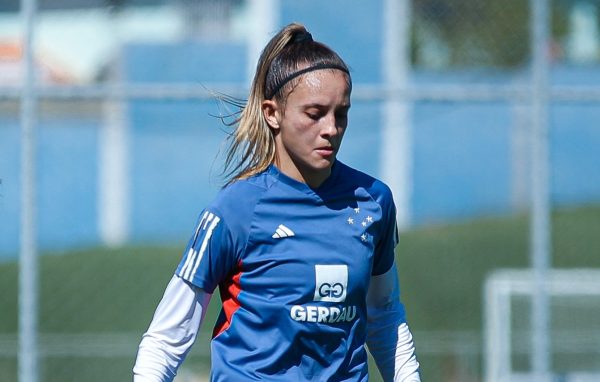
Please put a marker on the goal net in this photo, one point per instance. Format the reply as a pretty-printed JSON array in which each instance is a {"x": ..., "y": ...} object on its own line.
[{"x": 574, "y": 336}]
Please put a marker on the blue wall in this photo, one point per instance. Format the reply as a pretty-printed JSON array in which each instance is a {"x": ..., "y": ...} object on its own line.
[
  {"x": 66, "y": 184},
  {"x": 174, "y": 145}
]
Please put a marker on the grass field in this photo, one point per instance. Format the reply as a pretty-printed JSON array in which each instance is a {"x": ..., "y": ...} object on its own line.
[{"x": 93, "y": 294}]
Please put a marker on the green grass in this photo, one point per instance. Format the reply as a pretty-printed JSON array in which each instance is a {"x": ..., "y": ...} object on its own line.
[
  {"x": 96, "y": 290},
  {"x": 442, "y": 270}
]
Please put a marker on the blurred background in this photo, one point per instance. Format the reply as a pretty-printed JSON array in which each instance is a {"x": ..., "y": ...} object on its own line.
[{"x": 483, "y": 117}]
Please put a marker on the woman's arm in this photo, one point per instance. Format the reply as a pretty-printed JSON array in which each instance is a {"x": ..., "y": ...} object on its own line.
[
  {"x": 388, "y": 336},
  {"x": 172, "y": 332}
]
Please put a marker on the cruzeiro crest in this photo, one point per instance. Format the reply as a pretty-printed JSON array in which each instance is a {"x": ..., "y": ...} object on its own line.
[{"x": 361, "y": 221}]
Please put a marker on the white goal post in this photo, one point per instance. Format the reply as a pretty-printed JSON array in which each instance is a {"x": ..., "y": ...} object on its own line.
[{"x": 502, "y": 286}]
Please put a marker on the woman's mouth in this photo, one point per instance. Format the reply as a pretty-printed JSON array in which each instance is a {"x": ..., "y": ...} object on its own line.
[{"x": 326, "y": 151}]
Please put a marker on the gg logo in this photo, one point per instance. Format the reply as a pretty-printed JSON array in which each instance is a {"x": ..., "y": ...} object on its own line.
[
  {"x": 327, "y": 290},
  {"x": 331, "y": 282}
]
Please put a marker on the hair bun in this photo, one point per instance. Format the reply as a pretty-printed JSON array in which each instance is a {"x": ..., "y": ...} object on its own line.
[{"x": 302, "y": 36}]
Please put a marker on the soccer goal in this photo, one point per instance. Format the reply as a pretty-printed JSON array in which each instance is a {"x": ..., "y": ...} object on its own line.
[{"x": 574, "y": 335}]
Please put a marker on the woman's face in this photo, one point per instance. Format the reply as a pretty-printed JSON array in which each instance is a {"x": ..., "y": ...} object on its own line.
[{"x": 310, "y": 126}]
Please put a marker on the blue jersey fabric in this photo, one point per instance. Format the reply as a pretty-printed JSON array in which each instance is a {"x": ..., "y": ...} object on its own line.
[{"x": 293, "y": 266}]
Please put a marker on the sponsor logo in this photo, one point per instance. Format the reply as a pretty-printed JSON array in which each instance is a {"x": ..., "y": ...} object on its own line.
[
  {"x": 332, "y": 291},
  {"x": 331, "y": 282},
  {"x": 325, "y": 314}
]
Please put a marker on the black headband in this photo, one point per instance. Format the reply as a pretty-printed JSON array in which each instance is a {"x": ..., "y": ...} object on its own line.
[{"x": 301, "y": 72}]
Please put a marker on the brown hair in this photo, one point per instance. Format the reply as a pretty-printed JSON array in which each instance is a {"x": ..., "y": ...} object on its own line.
[{"x": 252, "y": 144}]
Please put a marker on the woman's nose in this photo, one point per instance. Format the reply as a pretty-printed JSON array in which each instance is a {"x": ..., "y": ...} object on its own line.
[{"x": 330, "y": 127}]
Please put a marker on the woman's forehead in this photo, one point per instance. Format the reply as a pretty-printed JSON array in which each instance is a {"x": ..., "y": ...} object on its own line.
[
  {"x": 325, "y": 74},
  {"x": 326, "y": 82}
]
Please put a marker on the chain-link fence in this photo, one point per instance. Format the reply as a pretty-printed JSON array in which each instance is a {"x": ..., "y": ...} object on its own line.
[{"x": 449, "y": 100}]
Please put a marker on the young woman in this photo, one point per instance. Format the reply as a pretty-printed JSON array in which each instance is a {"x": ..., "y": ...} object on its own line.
[{"x": 300, "y": 245}]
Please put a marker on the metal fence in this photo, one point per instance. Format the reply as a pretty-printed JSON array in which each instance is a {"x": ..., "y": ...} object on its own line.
[{"x": 470, "y": 111}]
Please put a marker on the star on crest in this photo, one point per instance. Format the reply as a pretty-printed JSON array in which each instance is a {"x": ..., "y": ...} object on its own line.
[
  {"x": 350, "y": 221},
  {"x": 363, "y": 237},
  {"x": 369, "y": 219},
  {"x": 357, "y": 210},
  {"x": 364, "y": 223}
]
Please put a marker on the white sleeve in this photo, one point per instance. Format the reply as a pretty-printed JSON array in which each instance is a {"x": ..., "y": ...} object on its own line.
[
  {"x": 388, "y": 336},
  {"x": 171, "y": 333}
]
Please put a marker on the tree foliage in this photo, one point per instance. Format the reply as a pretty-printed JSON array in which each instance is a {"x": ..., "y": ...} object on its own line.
[{"x": 478, "y": 33}]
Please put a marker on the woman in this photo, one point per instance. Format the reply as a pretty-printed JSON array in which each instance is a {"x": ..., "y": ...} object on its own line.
[{"x": 300, "y": 245}]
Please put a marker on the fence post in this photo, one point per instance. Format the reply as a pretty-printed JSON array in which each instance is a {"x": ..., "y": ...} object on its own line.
[
  {"x": 540, "y": 217},
  {"x": 396, "y": 151},
  {"x": 264, "y": 16},
  {"x": 28, "y": 261},
  {"x": 114, "y": 178}
]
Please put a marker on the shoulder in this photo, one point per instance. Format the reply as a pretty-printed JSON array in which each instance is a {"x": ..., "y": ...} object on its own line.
[
  {"x": 377, "y": 189},
  {"x": 237, "y": 200}
]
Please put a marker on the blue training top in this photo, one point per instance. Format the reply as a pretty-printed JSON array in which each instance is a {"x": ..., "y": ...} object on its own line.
[{"x": 293, "y": 266}]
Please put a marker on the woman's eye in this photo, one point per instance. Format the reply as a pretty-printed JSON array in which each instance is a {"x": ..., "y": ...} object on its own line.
[{"x": 313, "y": 116}]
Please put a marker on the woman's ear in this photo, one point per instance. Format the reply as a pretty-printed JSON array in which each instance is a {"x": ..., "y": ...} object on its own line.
[{"x": 270, "y": 111}]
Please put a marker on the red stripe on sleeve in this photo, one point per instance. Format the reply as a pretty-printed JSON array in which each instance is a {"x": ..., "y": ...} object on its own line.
[{"x": 229, "y": 292}]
